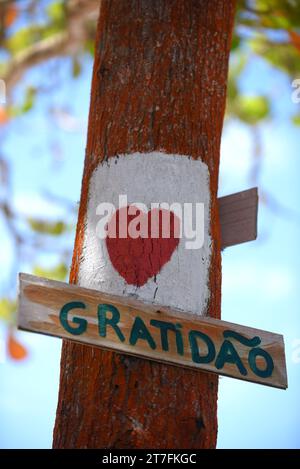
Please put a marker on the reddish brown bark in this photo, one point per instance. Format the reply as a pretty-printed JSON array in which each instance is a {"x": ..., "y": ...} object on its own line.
[{"x": 159, "y": 83}]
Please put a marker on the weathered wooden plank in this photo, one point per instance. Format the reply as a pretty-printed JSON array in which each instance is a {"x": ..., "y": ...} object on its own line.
[
  {"x": 127, "y": 325},
  {"x": 238, "y": 217}
]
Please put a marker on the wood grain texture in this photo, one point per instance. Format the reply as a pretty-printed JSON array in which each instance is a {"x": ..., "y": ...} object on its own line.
[
  {"x": 238, "y": 217},
  {"x": 159, "y": 84},
  {"x": 41, "y": 301}
]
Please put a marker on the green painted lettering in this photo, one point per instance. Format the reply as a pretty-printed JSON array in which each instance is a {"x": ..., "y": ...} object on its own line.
[
  {"x": 211, "y": 351},
  {"x": 103, "y": 321},
  {"x": 228, "y": 354},
  {"x": 140, "y": 331},
  {"x": 164, "y": 328},
  {"x": 258, "y": 352},
  {"x": 63, "y": 317}
]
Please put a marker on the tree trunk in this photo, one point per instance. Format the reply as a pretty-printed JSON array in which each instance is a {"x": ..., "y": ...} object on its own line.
[{"x": 159, "y": 83}]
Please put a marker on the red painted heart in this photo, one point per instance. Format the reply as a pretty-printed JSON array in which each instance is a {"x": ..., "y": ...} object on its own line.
[{"x": 139, "y": 244}]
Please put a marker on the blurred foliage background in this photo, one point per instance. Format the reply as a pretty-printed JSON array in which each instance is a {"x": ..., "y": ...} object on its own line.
[{"x": 34, "y": 32}]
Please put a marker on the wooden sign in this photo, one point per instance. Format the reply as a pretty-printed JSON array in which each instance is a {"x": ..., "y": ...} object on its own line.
[
  {"x": 130, "y": 326},
  {"x": 238, "y": 217}
]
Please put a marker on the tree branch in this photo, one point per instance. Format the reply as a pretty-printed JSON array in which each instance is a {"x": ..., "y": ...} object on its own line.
[{"x": 60, "y": 44}]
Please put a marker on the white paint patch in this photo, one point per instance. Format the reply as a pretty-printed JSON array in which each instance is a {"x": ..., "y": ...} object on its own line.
[{"x": 150, "y": 178}]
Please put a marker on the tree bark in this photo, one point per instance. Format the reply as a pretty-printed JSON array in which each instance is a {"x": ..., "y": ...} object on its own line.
[{"x": 159, "y": 83}]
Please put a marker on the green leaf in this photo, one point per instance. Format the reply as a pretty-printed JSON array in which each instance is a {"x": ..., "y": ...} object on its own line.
[
  {"x": 57, "y": 273},
  {"x": 269, "y": 14},
  {"x": 27, "y": 105},
  {"x": 76, "y": 67},
  {"x": 45, "y": 227},
  {"x": 89, "y": 46},
  {"x": 283, "y": 13},
  {"x": 252, "y": 109},
  {"x": 7, "y": 309},
  {"x": 232, "y": 88},
  {"x": 235, "y": 43},
  {"x": 29, "y": 99},
  {"x": 57, "y": 13},
  {"x": 283, "y": 56},
  {"x": 296, "y": 119},
  {"x": 23, "y": 38}
]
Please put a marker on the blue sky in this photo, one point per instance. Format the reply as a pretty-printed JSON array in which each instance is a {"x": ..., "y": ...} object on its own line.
[{"x": 260, "y": 279}]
